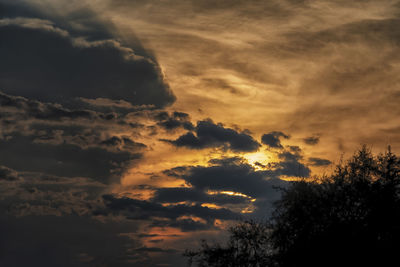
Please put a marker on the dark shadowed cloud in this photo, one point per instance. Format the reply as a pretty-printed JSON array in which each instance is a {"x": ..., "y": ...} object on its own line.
[
  {"x": 181, "y": 194},
  {"x": 235, "y": 175},
  {"x": 8, "y": 174},
  {"x": 174, "y": 120},
  {"x": 64, "y": 159},
  {"x": 56, "y": 70},
  {"x": 186, "y": 225},
  {"x": 48, "y": 241},
  {"x": 312, "y": 140},
  {"x": 209, "y": 134},
  {"x": 48, "y": 138},
  {"x": 272, "y": 139},
  {"x": 43, "y": 61},
  {"x": 319, "y": 162},
  {"x": 135, "y": 209},
  {"x": 291, "y": 165},
  {"x": 39, "y": 110},
  {"x": 231, "y": 174}
]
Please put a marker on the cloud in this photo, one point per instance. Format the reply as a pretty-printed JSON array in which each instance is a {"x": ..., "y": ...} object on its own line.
[
  {"x": 22, "y": 154},
  {"x": 185, "y": 225},
  {"x": 209, "y": 134},
  {"x": 64, "y": 241},
  {"x": 55, "y": 124},
  {"x": 154, "y": 249},
  {"x": 272, "y": 139},
  {"x": 45, "y": 111},
  {"x": 249, "y": 187},
  {"x": 231, "y": 174},
  {"x": 186, "y": 217},
  {"x": 182, "y": 194},
  {"x": 8, "y": 174},
  {"x": 174, "y": 120},
  {"x": 319, "y": 162},
  {"x": 49, "y": 138},
  {"x": 312, "y": 140},
  {"x": 33, "y": 23},
  {"x": 356, "y": 73},
  {"x": 142, "y": 209},
  {"x": 340, "y": 58},
  {"x": 290, "y": 155},
  {"x": 43, "y": 61},
  {"x": 38, "y": 210},
  {"x": 122, "y": 143},
  {"x": 39, "y": 194},
  {"x": 291, "y": 165}
]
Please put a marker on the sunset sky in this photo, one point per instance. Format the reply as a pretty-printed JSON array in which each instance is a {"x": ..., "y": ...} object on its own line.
[{"x": 132, "y": 129}]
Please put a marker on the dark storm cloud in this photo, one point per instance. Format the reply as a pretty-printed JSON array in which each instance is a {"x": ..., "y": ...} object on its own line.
[
  {"x": 185, "y": 225},
  {"x": 22, "y": 154},
  {"x": 291, "y": 165},
  {"x": 44, "y": 111},
  {"x": 49, "y": 241},
  {"x": 38, "y": 210},
  {"x": 154, "y": 249},
  {"x": 142, "y": 209},
  {"x": 293, "y": 168},
  {"x": 272, "y": 139},
  {"x": 8, "y": 174},
  {"x": 294, "y": 149},
  {"x": 180, "y": 194},
  {"x": 209, "y": 134},
  {"x": 177, "y": 216},
  {"x": 80, "y": 22},
  {"x": 44, "y": 120},
  {"x": 235, "y": 174},
  {"x": 34, "y": 193},
  {"x": 174, "y": 120},
  {"x": 49, "y": 138},
  {"x": 60, "y": 59},
  {"x": 231, "y": 174},
  {"x": 290, "y": 155},
  {"x": 47, "y": 66},
  {"x": 49, "y": 221},
  {"x": 312, "y": 140},
  {"x": 124, "y": 142},
  {"x": 319, "y": 162},
  {"x": 89, "y": 136}
]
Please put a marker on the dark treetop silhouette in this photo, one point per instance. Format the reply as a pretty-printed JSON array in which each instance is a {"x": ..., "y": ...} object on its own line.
[{"x": 351, "y": 218}]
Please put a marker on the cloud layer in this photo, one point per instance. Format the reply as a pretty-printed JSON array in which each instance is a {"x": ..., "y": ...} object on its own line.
[
  {"x": 43, "y": 61},
  {"x": 98, "y": 163},
  {"x": 209, "y": 134}
]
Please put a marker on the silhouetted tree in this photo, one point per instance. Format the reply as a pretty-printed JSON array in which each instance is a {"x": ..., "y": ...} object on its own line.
[
  {"x": 351, "y": 218},
  {"x": 248, "y": 245}
]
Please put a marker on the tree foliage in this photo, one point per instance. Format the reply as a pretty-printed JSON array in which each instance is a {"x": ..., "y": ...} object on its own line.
[
  {"x": 246, "y": 247},
  {"x": 350, "y": 218}
]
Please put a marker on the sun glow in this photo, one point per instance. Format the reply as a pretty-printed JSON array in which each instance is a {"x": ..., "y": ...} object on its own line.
[
  {"x": 211, "y": 206},
  {"x": 230, "y": 193},
  {"x": 259, "y": 160}
]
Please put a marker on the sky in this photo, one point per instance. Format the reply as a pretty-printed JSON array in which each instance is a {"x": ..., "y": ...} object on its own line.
[{"x": 132, "y": 129}]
